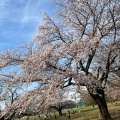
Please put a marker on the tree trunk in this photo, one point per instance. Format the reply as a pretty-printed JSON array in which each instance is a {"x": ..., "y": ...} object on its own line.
[
  {"x": 101, "y": 102},
  {"x": 60, "y": 111},
  {"x": 2, "y": 118}
]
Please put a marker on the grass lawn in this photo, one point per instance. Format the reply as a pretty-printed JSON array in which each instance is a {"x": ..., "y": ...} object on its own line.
[{"x": 87, "y": 113}]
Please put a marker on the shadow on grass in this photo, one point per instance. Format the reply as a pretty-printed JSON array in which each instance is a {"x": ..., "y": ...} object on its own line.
[
  {"x": 87, "y": 110},
  {"x": 116, "y": 118}
]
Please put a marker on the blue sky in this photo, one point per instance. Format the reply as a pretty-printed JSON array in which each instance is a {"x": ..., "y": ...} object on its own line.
[{"x": 19, "y": 20}]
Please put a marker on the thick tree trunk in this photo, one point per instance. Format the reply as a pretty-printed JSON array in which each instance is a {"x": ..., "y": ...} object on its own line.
[{"x": 101, "y": 102}]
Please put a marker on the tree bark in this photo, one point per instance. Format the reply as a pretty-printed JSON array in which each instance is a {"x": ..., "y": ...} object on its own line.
[
  {"x": 58, "y": 108},
  {"x": 60, "y": 111},
  {"x": 101, "y": 102},
  {"x": 2, "y": 118}
]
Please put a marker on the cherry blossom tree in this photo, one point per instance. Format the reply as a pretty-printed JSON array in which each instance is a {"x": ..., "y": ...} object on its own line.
[
  {"x": 9, "y": 96},
  {"x": 60, "y": 101},
  {"x": 78, "y": 48},
  {"x": 113, "y": 88},
  {"x": 59, "y": 106}
]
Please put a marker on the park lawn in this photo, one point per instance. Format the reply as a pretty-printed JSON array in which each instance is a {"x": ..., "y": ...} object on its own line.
[{"x": 87, "y": 113}]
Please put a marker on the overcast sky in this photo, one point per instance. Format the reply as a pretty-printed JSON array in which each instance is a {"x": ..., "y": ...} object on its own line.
[{"x": 19, "y": 20}]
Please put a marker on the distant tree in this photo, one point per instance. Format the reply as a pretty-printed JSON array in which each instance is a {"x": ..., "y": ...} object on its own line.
[
  {"x": 60, "y": 101},
  {"x": 8, "y": 97},
  {"x": 88, "y": 100},
  {"x": 81, "y": 103},
  {"x": 62, "y": 105}
]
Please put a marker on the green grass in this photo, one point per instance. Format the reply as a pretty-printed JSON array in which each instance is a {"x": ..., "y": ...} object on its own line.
[{"x": 87, "y": 113}]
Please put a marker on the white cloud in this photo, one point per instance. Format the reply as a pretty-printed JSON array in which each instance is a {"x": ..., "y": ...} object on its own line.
[
  {"x": 34, "y": 10},
  {"x": 19, "y": 19},
  {"x": 32, "y": 18},
  {"x": 31, "y": 12}
]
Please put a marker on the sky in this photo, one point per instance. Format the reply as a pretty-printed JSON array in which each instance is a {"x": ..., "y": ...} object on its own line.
[{"x": 19, "y": 20}]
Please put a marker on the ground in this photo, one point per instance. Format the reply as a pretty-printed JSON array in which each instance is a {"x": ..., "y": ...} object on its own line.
[{"x": 86, "y": 113}]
